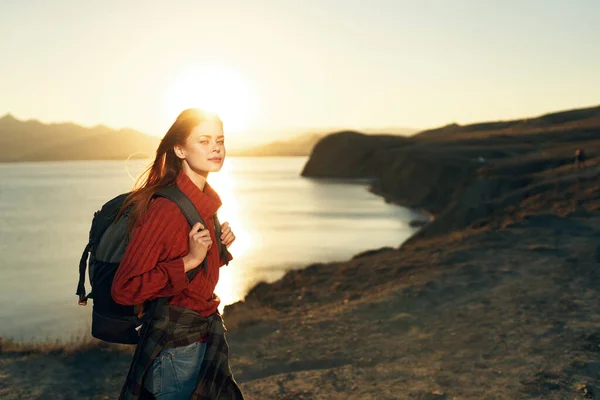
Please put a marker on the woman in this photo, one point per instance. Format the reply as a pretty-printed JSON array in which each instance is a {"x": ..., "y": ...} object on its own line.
[{"x": 182, "y": 352}]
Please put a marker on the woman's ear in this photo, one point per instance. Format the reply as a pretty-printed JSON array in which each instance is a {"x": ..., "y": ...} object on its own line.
[{"x": 179, "y": 151}]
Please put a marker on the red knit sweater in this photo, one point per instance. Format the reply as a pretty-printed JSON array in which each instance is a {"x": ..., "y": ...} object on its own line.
[{"x": 153, "y": 265}]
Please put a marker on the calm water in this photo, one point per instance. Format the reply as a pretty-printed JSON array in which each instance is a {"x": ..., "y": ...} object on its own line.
[{"x": 282, "y": 221}]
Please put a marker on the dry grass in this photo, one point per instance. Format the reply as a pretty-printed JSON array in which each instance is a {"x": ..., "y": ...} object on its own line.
[
  {"x": 80, "y": 344},
  {"x": 241, "y": 315}
]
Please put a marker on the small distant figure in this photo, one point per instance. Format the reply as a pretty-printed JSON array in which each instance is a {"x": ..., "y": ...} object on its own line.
[{"x": 579, "y": 159}]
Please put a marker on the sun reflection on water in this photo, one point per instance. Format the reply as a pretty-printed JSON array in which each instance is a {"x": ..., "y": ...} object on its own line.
[{"x": 229, "y": 288}]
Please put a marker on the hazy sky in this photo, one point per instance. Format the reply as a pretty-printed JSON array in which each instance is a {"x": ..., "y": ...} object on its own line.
[{"x": 272, "y": 65}]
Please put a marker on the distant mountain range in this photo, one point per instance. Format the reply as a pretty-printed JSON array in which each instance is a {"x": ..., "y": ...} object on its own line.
[
  {"x": 35, "y": 141},
  {"x": 302, "y": 145}
]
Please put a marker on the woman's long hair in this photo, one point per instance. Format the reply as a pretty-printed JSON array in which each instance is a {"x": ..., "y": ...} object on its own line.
[{"x": 166, "y": 166}]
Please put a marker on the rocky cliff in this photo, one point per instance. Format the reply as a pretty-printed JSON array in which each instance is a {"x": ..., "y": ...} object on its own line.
[{"x": 461, "y": 174}]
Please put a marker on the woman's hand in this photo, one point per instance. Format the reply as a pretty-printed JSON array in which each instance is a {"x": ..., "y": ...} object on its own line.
[
  {"x": 200, "y": 243},
  {"x": 227, "y": 236}
]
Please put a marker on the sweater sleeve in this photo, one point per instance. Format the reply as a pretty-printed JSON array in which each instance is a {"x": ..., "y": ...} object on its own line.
[{"x": 152, "y": 265}]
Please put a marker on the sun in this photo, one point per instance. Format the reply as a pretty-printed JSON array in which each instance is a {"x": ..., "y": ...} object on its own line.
[{"x": 215, "y": 89}]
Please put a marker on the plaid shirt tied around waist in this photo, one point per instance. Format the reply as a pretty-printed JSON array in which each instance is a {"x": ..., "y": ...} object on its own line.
[{"x": 174, "y": 326}]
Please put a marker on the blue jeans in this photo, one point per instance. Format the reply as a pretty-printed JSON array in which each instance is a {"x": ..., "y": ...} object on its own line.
[{"x": 174, "y": 372}]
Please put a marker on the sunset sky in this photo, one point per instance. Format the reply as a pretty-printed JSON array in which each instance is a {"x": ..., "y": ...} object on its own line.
[{"x": 270, "y": 67}]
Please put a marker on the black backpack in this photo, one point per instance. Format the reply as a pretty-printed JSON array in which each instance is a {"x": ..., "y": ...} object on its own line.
[{"x": 108, "y": 240}]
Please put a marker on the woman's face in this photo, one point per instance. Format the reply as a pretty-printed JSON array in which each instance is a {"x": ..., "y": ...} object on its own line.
[{"x": 204, "y": 149}]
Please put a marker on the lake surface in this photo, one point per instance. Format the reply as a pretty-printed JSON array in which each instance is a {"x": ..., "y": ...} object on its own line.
[{"x": 282, "y": 221}]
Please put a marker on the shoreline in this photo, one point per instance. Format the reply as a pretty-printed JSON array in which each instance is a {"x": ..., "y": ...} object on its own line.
[{"x": 84, "y": 338}]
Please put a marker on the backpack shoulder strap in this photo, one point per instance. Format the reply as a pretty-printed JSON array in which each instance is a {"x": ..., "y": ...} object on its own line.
[
  {"x": 186, "y": 206},
  {"x": 173, "y": 193},
  {"x": 223, "y": 252}
]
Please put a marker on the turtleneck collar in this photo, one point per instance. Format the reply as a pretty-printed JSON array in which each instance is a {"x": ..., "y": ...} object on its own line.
[{"x": 207, "y": 202}]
